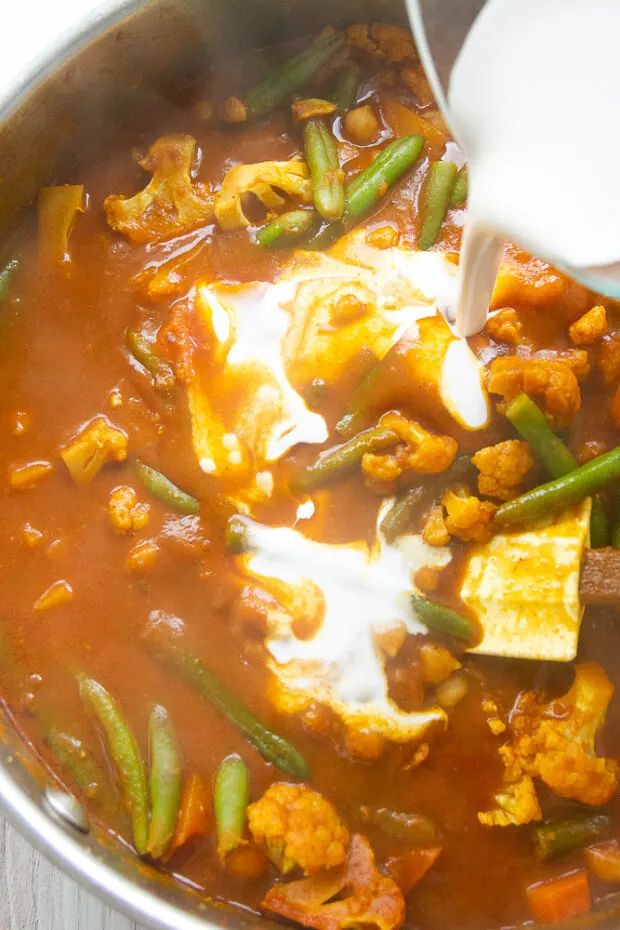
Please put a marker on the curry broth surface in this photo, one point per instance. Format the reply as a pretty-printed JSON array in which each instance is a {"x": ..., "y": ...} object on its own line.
[{"x": 63, "y": 356}]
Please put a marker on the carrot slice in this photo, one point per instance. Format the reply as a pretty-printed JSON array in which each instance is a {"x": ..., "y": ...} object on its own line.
[
  {"x": 195, "y": 816},
  {"x": 404, "y": 121},
  {"x": 408, "y": 869},
  {"x": 603, "y": 860},
  {"x": 561, "y": 898}
]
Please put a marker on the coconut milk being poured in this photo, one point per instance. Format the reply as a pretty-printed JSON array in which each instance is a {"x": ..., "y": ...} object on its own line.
[{"x": 534, "y": 101}]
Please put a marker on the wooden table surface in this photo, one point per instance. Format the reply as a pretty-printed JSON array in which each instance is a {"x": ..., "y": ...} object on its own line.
[{"x": 35, "y": 895}]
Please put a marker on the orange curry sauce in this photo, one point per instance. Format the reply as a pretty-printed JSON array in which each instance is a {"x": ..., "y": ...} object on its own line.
[{"x": 64, "y": 359}]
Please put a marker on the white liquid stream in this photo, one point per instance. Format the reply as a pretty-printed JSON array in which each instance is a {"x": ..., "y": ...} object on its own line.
[{"x": 534, "y": 101}]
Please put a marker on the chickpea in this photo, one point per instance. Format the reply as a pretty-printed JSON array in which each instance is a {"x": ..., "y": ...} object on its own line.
[
  {"x": 361, "y": 125},
  {"x": 348, "y": 309},
  {"x": 233, "y": 110}
]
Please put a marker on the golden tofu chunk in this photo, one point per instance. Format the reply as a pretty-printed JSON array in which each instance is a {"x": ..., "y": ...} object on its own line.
[{"x": 524, "y": 588}]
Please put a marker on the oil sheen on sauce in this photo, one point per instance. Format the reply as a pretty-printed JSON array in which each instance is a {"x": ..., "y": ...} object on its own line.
[{"x": 533, "y": 102}]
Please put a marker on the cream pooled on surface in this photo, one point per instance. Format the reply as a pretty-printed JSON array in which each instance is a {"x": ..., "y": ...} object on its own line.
[
  {"x": 267, "y": 341},
  {"x": 355, "y": 595}
]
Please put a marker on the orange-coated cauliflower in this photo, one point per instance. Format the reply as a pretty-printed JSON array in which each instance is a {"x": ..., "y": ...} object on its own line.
[
  {"x": 460, "y": 515},
  {"x": 97, "y": 443},
  {"x": 126, "y": 514},
  {"x": 505, "y": 326},
  {"x": 355, "y": 894},
  {"x": 552, "y": 381},
  {"x": 420, "y": 451},
  {"x": 523, "y": 279},
  {"x": 383, "y": 41},
  {"x": 589, "y": 327},
  {"x": 577, "y": 360},
  {"x": 502, "y": 468},
  {"x": 260, "y": 179},
  {"x": 556, "y": 742},
  {"x": 467, "y": 518},
  {"x": 171, "y": 202},
  {"x": 516, "y": 801},
  {"x": 414, "y": 78},
  {"x": 299, "y": 827},
  {"x": 435, "y": 532}
]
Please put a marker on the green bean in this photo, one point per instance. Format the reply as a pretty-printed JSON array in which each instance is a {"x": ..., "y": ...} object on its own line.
[
  {"x": 238, "y": 534},
  {"x": 436, "y": 194},
  {"x": 615, "y": 526},
  {"x": 322, "y": 158},
  {"x": 371, "y": 184},
  {"x": 75, "y": 757},
  {"x": 231, "y": 794},
  {"x": 339, "y": 461},
  {"x": 285, "y": 227},
  {"x": 272, "y": 747},
  {"x": 164, "y": 490},
  {"x": 67, "y": 748},
  {"x": 165, "y": 781},
  {"x": 558, "y": 837},
  {"x": 563, "y": 492},
  {"x": 599, "y": 525},
  {"x": 415, "y": 828},
  {"x": 447, "y": 622},
  {"x": 292, "y": 76},
  {"x": 7, "y": 275},
  {"x": 125, "y": 755},
  {"x": 531, "y": 423},
  {"x": 345, "y": 90},
  {"x": 143, "y": 351},
  {"x": 324, "y": 236},
  {"x": 461, "y": 188},
  {"x": 398, "y": 518},
  {"x": 353, "y": 420}
]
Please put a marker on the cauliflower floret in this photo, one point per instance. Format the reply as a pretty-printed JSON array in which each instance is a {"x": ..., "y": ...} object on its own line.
[
  {"x": 461, "y": 515},
  {"x": 97, "y": 443},
  {"x": 171, "y": 202},
  {"x": 414, "y": 78},
  {"x": 421, "y": 451},
  {"x": 467, "y": 518},
  {"x": 516, "y": 799},
  {"x": 435, "y": 531},
  {"x": 502, "y": 468},
  {"x": 505, "y": 326},
  {"x": 589, "y": 327},
  {"x": 299, "y": 827},
  {"x": 552, "y": 381},
  {"x": 577, "y": 360},
  {"x": 383, "y": 41},
  {"x": 126, "y": 514},
  {"x": 556, "y": 742},
  {"x": 531, "y": 281},
  {"x": 354, "y": 895},
  {"x": 260, "y": 179}
]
